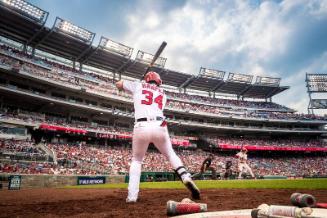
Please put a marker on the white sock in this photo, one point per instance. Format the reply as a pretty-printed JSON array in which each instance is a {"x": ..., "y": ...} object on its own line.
[{"x": 181, "y": 171}]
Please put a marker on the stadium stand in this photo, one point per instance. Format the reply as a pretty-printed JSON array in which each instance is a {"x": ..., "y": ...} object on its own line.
[
  {"x": 240, "y": 141},
  {"x": 24, "y": 150},
  {"x": 100, "y": 84},
  {"x": 57, "y": 93},
  {"x": 92, "y": 160}
]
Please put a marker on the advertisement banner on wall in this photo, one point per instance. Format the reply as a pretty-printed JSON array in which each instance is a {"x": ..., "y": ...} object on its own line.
[
  {"x": 14, "y": 182},
  {"x": 91, "y": 180}
]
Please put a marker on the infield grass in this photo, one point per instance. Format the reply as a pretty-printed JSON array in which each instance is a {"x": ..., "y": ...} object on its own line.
[{"x": 216, "y": 184}]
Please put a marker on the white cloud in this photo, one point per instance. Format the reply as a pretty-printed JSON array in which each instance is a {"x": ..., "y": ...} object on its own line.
[
  {"x": 234, "y": 36},
  {"x": 297, "y": 97}
]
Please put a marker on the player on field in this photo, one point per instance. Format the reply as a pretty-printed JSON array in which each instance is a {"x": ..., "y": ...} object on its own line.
[
  {"x": 227, "y": 170},
  {"x": 150, "y": 127},
  {"x": 243, "y": 167},
  {"x": 206, "y": 165}
]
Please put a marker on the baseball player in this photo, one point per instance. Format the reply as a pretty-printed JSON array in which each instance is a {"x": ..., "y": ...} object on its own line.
[
  {"x": 150, "y": 126},
  {"x": 206, "y": 165},
  {"x": 227, "y": 170},
  {"x": 243, "y": 167}
]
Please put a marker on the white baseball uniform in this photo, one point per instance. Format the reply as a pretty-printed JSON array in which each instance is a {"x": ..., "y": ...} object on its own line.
[
  {"x": 149, "y": 102},
  {"x": 243, "y": 167}
]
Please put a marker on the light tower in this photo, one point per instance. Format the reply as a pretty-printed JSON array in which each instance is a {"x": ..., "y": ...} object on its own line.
[{"x": 316, "y": 84}]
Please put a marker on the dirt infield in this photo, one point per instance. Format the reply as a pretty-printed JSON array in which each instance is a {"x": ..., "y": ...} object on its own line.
[{"x": 111, "y": 202}]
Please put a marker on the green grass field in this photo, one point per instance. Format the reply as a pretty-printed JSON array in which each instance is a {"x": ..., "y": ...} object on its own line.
[{"x": 216, "y": 184}]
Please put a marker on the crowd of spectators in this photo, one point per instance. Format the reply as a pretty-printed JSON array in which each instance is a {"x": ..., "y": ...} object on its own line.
[
  {"x": 103, "y": 131},
  {"x": 38, "y": 118},
  {"x": 21, "y": 115},
  {"x": 18, "y": 146},
  {"x": 241, "y": 141},
  {"x": 239, "y": 112},
  {"x": 20, "y": 149},
  {"x": 27, "y": 167},
  {"x": 228, "y": 103},
  {"x": 291, "y": 166},
  {"x": 78, "y": 159},
  {"x": 107, "y": 131},
  {"x": 104, "y": 85}
]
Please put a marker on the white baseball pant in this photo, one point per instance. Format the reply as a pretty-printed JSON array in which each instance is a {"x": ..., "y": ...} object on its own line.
[
  {"x": 144, "y": 133},
  {"x": 243, "y": 168}
]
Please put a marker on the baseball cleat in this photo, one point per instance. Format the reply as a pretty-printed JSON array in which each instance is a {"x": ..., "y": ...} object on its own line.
[
  {"x": 132, "y": 200},
  {"x": 190, "y": 185}
]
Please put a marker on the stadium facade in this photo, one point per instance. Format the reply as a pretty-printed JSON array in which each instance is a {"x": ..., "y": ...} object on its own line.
[{"x": 57, "y": 86}]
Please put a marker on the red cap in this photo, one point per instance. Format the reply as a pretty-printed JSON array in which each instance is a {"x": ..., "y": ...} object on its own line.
[{"x": 244, "y": 149}]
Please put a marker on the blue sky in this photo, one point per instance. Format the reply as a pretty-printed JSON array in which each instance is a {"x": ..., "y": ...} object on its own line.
[{"x": 268, "y": 38}]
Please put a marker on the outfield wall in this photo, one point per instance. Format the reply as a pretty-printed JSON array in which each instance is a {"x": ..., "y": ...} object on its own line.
[{"x": 42, "y": 181}]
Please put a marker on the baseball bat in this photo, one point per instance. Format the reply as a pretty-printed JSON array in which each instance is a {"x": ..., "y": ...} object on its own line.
[
  {"x": 156, "y": 56},
  {"x": 322, "y": 205}
]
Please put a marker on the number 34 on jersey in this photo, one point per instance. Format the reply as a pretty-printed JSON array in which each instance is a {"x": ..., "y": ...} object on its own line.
[{"x": 149, "y": 99}]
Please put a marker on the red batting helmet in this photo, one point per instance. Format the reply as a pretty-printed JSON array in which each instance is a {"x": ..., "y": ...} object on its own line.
[
  {"x": 153, "y": 76},
  {"x": 244, "y": 149}
]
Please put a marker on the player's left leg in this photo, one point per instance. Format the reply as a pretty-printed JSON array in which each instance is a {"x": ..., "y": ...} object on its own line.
[
  {"x": 240, "y": 170},
  {"x": 139, "y": 146},
  {"x": 162, "y": 141},
  {"x": 246, "y": 166}
]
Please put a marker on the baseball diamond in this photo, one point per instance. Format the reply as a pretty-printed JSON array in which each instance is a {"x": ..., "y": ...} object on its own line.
[
  {"x": 185, "y": 108},
  {"x": 107, "y": 202}
]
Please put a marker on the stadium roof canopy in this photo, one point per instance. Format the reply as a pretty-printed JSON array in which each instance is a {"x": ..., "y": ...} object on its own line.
[
  {"x": 21, "y": 22},
  {"x": 25, "y": 23},
  {"x": 108, "y": 55},
  {"x": 64, "y": 39}
]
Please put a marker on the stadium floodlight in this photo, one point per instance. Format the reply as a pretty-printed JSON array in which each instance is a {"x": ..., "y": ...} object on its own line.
[
  {"x": 240, "y": 78},
  {"x": 112, "y": 46},
  {"x": 316, "y": 82},
  {"x": 73, "y": 30},
  {"x": 211, "y": 73},
  {"x": 26, "y": 9},
  {"x": 317, "y": 77},
  {"x": 317, "y": 86},
  {"x": 267, "y": 81},
  {"x": 147, "y": 58}
]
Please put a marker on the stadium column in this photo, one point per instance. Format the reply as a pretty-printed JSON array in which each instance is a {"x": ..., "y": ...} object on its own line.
[
  {"x": 25, "y": 48},
  {"x": 69, "y": 117},
  {"x": 33, "y": 51}
]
